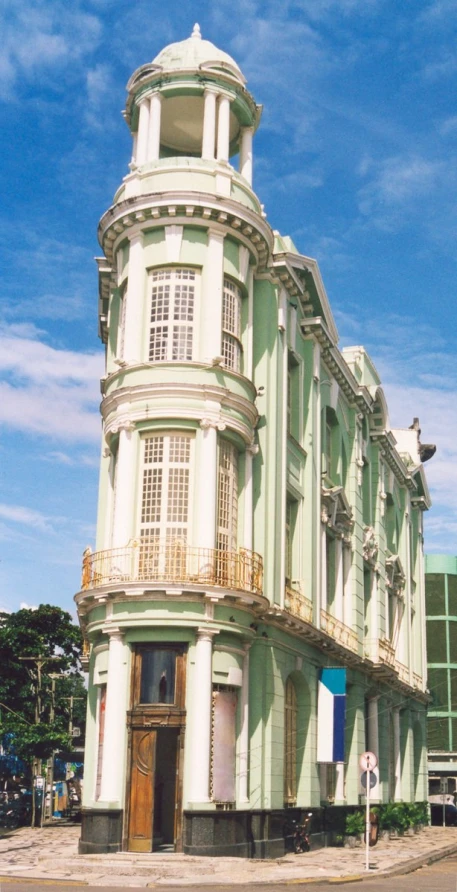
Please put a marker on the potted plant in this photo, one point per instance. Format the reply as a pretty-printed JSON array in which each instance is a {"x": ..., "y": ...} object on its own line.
[{"x": 354, "y": 828}]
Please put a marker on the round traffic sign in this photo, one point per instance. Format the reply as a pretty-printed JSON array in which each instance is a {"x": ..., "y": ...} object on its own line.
[
  {"x": 373, "y": 779},
  {"x": 368, "y": 761}
]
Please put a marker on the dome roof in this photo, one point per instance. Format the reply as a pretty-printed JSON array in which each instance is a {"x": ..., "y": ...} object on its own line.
[{"x": 194, "y": 52}]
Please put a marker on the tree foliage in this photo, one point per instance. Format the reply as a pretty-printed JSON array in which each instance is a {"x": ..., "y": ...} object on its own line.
[{"x": 25, "y": 689}]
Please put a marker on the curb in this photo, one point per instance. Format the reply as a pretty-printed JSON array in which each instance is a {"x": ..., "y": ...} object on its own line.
[{"x": 408, "y": 866}]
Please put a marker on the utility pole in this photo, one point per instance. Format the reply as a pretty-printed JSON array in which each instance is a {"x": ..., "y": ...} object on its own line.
[
  {"x": 39, "y": 661},
  {"x": 49, "y": 806}
]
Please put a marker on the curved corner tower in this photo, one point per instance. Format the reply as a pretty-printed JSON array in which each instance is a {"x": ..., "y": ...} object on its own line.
[
  {"x": 171, "y": 591},
  {"x": 255, "y": 602}
]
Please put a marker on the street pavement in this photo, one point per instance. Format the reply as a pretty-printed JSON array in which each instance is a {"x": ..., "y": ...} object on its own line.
[{"x": 52, "y": 853}]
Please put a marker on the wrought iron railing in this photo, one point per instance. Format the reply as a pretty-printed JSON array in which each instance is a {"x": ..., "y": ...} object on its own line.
[
  {"x": 173, "y": 562},
  {"x": 341, "y": 633},
  {"x": 297, "y": 604}
]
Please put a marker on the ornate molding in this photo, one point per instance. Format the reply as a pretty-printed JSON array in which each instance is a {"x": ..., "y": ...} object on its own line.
[{"x": 370, "y": 546}]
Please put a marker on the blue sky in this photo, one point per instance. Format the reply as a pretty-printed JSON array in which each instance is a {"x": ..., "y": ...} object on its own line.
[{"x": 355, "y": 158}]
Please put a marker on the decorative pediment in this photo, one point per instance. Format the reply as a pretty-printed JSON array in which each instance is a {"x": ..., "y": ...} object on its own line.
[
  {"x": 336, "y": 511},
  {"x": 395, "y": 575}
]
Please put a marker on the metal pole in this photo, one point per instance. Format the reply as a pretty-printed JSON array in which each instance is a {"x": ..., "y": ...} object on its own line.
[{"x": 367, "y": 819}]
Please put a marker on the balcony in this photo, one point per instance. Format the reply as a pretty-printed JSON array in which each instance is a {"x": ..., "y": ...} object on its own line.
[
  {"x": 172, "y": 563},
  {"x": 337, "y": 630},
  {"x": 298, "y": 605}
]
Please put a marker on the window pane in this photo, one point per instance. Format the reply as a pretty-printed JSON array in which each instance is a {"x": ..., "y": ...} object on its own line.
[
  {"x": 437, "y": 682},
  {"x": 452, "y": 595},
  {"x": 453, "y": 742},
  {"x": 453, "y": 674},
  {"x": 436, "y": 641},
  {"x": 434, "y": 594},
  {"x": 452, "y": 627},
  {"x": 158, "y": 676},
  {"x": 438, "y": 732}
]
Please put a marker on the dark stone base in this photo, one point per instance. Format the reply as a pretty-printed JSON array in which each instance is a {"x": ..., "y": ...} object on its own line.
[
  {"x": 101, "y": 831},
  {"x": 243, "y": 834}
]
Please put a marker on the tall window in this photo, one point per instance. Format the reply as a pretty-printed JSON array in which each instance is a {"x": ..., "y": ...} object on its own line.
[
  {"x": 164, "y": 523},
  {"x": 122, "y": 315},
  {"x": 231, "y": 325},
  {"x": 172, "y": 314},
  {"x": 227, "y": 513},
  {"x": 290, "y": 744}
]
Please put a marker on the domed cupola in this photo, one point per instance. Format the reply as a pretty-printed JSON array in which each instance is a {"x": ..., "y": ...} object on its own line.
[{"x": 191, "y": 102}]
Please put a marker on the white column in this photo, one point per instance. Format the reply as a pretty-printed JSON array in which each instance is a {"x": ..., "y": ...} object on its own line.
[
  {"x": 200, "y": 742},
  {"x": 212, "y": 284},
  {"x": 134, "y": 148},
  {"x": 143, "y": 127},
  {"x": 115, "y": 713},
  {"x": 339, "y": 782},
  {"x": 397, "y": 754},
  {"x": 209, "y": 125},
  {"x": 323, "y": 567},
  {"x": 243, "y": 788},
  {"x": 207, "y": 485},
  {"x": 347, "y": 573},
  {"x": 248, "y": 495},
  {"x": 124, "y": 495},
  {"x": 339, "y": 580},
  {"x": 223, "y": 129},
  {"x": 246, "y": 153},
  {"x": 153, "y": 150},
  {"x": 373, "y": 737},
  {"x": 135, "y": 301},
  {"x": 250, "y": 326}
]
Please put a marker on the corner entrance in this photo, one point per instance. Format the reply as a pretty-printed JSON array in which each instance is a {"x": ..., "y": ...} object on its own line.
[
  {"x": 156, "y": 746},
  {"x": 154, "y": 789}
]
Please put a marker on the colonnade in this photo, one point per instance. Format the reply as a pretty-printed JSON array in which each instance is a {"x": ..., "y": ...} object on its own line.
[{"x": 215, "y": 136}]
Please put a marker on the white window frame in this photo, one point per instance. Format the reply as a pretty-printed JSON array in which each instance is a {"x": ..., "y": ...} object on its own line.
[
  {"x": 232, "y": 348},
  {"x": 173, "y": 300},
  {"x": 158, "y": 536},
  {"x": 227, "y": 535}
]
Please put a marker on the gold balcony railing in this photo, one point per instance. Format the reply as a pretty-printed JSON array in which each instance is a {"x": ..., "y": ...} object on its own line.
[
  {"x": 173, "y": 562},
  {"x": 297, "y": 604},
  {"x": 380, "y": 650},
  {"x": 339, "y": 631}
]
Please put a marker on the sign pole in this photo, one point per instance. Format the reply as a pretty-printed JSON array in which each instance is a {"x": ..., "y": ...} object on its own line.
[{"x": 367, "y": 818}]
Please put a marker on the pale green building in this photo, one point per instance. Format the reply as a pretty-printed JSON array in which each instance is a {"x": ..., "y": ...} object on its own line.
[{"x": 259, "y": 522}]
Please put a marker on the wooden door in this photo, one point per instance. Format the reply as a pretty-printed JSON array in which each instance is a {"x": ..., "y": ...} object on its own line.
[{"x": 141, "y": 810}]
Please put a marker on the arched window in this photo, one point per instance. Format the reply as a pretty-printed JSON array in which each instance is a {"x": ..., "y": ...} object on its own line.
[{"x": 290, "y": 745}]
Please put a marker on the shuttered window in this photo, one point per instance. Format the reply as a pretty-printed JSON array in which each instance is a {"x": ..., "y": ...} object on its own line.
[{"x": 172, "y": 314}]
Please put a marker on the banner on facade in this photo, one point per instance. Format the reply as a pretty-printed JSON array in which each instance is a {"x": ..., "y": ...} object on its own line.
[{"x": 331, "y": 715}]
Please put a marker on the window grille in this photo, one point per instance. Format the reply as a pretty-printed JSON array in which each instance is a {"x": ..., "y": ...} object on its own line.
[
  {"x": 172, "y": 314},
  {"x": 227, "y": 512},
  {"x": 164, "y": 521},
  {"x": 231, "y": 325}
]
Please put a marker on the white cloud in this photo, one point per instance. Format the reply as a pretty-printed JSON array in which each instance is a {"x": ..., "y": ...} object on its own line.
[
  {"x": 397, "y": 180},
  {"x": 42, "y": 37},
  {"x": 48, "y": 391},
  {"x": 26, "y": 517}
]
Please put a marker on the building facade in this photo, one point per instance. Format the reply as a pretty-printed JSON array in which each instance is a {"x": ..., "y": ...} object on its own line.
[
  {"x": 255, "y": 601},
  {"x": 441, "y": 607}
]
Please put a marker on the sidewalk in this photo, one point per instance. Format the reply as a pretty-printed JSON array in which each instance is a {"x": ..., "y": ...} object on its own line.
[{"x": 52, "y": 853}]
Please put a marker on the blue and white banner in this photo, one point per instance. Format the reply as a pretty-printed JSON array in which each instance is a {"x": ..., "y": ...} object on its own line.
[{"x": 331, "y": 715}]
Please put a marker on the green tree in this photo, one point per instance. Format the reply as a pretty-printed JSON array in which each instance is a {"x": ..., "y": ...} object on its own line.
[{"x": 34, "y": 708}]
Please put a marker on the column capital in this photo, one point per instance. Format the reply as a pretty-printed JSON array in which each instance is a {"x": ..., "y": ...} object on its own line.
[
  {"x": 115, "y": 634},
  {"x": 206, "y": 634},
  {"x": 135, "y": 236},
  {"x": 253, "y": 449},
  {"x": 207, "y": 423}
]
